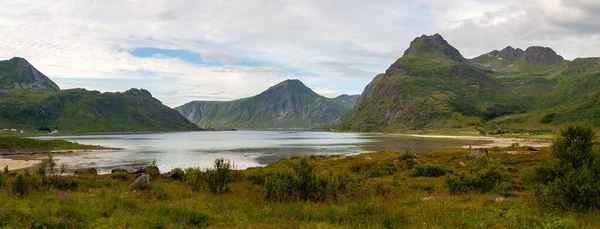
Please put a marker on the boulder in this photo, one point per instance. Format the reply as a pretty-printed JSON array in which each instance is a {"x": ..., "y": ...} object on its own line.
[
  {"x": 91, "y": 171},
  {"x": 476, "y": 153},
  {"x": 118, "y": 171},
  {"x": 461, "y": 164},
  {"x": 500, "y": 200},
  {"x": 142, "y": 180},
  {"x": 139, "y": 170}
]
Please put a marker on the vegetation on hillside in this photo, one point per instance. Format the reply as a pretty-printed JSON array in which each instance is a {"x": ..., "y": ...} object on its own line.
[
  {"x": 289, "y": 104},
  {"x": 14, "y": 145},
  {"x": 497, "y": 189},
  {"x": 79, "y": 110},
  {"x": 432, "y": 87}
]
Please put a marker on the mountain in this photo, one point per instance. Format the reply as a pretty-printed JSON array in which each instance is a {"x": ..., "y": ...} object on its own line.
[
  {"x": 289, "y": 104},
  {"x": 17, "y": 73},
  {"x": 433, "y": 87},
  {"x": 34, "y": 102}
]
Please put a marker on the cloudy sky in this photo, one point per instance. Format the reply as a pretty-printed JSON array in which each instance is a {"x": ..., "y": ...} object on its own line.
[{"x": 183, "y": 50}]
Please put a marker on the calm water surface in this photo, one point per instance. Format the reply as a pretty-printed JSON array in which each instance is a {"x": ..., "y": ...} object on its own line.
[{"x": 244, "y": 148}]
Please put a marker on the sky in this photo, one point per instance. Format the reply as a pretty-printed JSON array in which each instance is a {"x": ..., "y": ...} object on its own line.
[{"x": 183, "y": 50}]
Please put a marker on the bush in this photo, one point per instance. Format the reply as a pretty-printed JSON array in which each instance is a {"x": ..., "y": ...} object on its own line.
[
  {"x": 548, "y": 118},
  {"x": 430, "y": 171},
  {"x": 218, "y": 179},
  {"x": 301, "y": 183},
  {"x": 120, "y": 176},
  {"x": 374, "y": 169},
  {"x": 407, "y": 156},
  {"x": 194, "y": 177},
  {"x": 177, "y": 174},
  {"x": 568, "y": 179},
  {"x": 64, "y": 183},
  {"x": 484, "y": 175},
  {"x": 26, "y": 183},
  {"x": 257, "y": 178},
  {"x": 153, "y": 170}
]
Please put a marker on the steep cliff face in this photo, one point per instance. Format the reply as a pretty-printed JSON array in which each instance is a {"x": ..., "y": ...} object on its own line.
[
  {"x": 18, "y": 73},
  {"x": 289, "y": 104}
]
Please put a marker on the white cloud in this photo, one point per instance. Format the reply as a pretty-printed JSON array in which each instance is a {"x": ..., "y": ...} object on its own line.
[{"x": 324, "y": 43}]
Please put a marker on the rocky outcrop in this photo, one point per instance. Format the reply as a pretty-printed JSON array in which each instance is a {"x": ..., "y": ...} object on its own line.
[
  {"x": 476, "y": 153},
  {"x": 510, "y": 54},
  {"x": 118, "y": 171},
  {"x": 88, "y": 171},
  {"x": 542, "y": 55},
  {"x": 141, "y": 181}
]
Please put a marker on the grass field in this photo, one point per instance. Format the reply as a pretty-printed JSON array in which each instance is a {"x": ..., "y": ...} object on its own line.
[{"x": 384, "y": 193}]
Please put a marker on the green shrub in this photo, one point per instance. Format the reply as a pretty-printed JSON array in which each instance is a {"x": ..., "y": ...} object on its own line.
[
  {"x": 194, "y": 177},
  {"x": 153, "y": 170},
  {"x": 484, "y": 174},
  {"x": 257, "y": 178},
  {"x": 218, "y": 178},
  {"x": 280, "y": 185},
  {"x": 26, "y": 183},
  {"x": 2, "y": 179},
  {"x": 568, "y": 180},
  {"x": 407, "y": 156},
  {"x": 430, "y": 171},
  {"x": 120, "y": 176},
  {"x": 548, "y": 118},
  {"x": 302, "y": 183},
  {"x": 6, "y": 170},
  {"x": 64, "y": 183},
  {"x": 374, "y": 169},
  {"x": 177, "y": 174}
]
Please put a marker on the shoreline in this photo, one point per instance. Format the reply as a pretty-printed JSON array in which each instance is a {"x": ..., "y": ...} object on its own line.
[
  {"x": 14, "y": 162},
  {"x": 495, "y": 141}
]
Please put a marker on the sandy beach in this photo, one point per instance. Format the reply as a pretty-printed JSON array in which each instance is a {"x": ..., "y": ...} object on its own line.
[
  {"x": 14, "y": 164},
  {"x": 495, "y": 141}
]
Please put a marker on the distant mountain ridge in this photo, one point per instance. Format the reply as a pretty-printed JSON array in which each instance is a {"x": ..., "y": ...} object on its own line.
[
  {"x": 289, "y": 104},
  {"x": 432, "y": 86},
  {"x": 18, "y": 73},
  {"x": 30, "y": 100}
]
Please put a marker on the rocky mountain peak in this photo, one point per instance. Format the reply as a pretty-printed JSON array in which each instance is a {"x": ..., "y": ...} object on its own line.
[
  {"x": 510, "y": 54},
  {"x": 290, "y": 86},
  {"x": 433, "y": 47},
  {"x": 542, "y": 55},
  {"x": 18, "y": 73}
]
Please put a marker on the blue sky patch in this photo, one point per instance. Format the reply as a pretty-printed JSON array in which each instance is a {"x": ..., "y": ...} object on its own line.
[{"x": 196, "y": 58}]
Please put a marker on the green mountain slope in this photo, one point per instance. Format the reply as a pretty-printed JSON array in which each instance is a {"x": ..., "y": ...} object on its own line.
[
  {"x": 40, "y": 105},
  {"x": 79, "y": 110},
  {"x": 18, "y": 73},
  {"x": 433, "y": 87},
  {"x": 289, "y": 104}
]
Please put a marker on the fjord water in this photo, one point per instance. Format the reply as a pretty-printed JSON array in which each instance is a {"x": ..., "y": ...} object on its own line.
[{"x": 244, "y": 148}]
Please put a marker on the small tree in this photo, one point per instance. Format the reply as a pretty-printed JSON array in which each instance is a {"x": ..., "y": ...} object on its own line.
[
  {"x": 568, "y": 179},
  {"x": 219, "y": 177}
]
